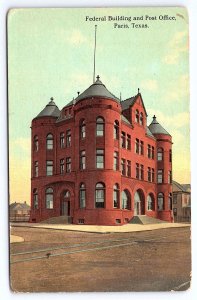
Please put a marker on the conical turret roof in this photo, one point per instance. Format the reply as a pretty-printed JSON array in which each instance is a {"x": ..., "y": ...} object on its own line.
[
  {"x": 97, "y": 89},
  {"x": 50, "y": 110},
  {"x": 156, "y": 128}
]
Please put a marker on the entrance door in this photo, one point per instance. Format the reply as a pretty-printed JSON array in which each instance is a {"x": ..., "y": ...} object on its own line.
[
  {"x": 138, "y": 208},
  {"x": 65, "y": 204},
  {"x": 65, "y": 208},
  {"x": 139, "y": 203}
]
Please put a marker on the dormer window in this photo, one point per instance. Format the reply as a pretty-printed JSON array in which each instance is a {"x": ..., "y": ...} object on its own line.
[
  {"x": 137, "y": 116},
  {"x": 141, "y": 119}
]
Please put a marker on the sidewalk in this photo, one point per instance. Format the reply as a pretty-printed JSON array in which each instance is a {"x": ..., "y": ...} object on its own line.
[
  {"x": 101, "y": 229},
  {"x": 16, "y": 239}
]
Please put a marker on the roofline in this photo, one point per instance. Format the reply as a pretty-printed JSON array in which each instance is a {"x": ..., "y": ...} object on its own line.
[{"x": 134, "y": 100}]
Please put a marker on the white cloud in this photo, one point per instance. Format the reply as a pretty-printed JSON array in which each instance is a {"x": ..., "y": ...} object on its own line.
[
  {"x": 177, "y": 46},
  {"x": 178, "y": 90},
  {"x": 174, "y": 122}
]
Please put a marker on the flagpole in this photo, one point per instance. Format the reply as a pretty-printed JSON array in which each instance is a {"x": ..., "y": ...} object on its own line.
[{"x": 94, "y": 54}]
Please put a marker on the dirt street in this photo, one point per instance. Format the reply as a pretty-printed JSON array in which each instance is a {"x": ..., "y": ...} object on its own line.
[{"x": 158, "y": 260}]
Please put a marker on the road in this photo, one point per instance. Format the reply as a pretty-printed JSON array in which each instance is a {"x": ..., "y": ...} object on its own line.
[{"x": 64, "y": 261}]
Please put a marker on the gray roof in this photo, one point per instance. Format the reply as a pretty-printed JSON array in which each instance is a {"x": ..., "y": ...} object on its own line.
[
  {"x": 50, "y": 110},
  {"x": 156, "y": 128},
  {"x": 183, "y": 187},
  {"x": 19, "y": 206},
  {"x": 127, "y": 103},
  {"x": 125, "y": 119},
  {"x": 148, "y": 132},
  {"x": 130, "y": 102},
  {"x": 97, "y": 89}
]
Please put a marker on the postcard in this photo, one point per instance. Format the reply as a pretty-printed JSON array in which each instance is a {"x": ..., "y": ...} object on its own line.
[{"x": 99, "y": 149}]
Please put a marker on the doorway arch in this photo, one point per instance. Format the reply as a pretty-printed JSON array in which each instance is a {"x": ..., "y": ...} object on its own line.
[
  {"x": 139, "y": 203},
  {"x": 65, "y": 203}
]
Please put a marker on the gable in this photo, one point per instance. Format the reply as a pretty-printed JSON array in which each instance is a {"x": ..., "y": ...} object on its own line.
[{"x": 139, "y": 101}]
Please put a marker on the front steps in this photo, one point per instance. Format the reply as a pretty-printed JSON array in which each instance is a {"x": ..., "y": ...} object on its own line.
[
  {"x": 144, "y": 220},
  {"x": 58, "y": 220}
]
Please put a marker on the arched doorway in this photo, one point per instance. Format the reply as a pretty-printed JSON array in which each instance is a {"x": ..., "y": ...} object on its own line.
[
  {"x": 139, "y": 203},
  {"x": 65, "y": 203}
]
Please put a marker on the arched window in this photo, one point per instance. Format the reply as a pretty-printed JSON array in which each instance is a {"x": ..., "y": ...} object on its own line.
[
  {"x": 160, "y": 200},
  {"x": 35, "y": 198},
  {"x": 116, "y": 195},
  {"x": 36, "y": 143},
  {"x": 126, "y": 199},
  {"x": 82, "y": 129},
  {"x": 49, "y": 141},
  {"x": 100, "y": 125},
  {"x": 170, "y": 201},
  {"x": 100, "y": 195},
  {"x": 116, "y": 130},
  {"x": 160, "y": 154},
  {"x": 49, "y": 198},
  {"x": 137, "y": 116},
  {"x": 141, "y": 119},
  {"x": 150, "y": 202},
  {"x": 66, "y": 194},
  {"x": 82, "y": 196}
]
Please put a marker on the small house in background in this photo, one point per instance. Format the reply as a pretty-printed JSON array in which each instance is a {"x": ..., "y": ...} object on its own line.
[
  {"x": 19, "y": 212},
  {"x": 181, "y": 202}
]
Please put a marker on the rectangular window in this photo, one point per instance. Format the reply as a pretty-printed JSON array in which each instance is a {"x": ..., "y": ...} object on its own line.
[
  {"x": 149, "y": 151},
  {"x": 128, "y": 142},
  {"x": 160, "y": 176},
  {"x": 36, "y": 168},
  {"x": 123, "y": 139},
  {"x": 128, "y": 168},
  {"x": 137, "y": 147},
  {"x": 141, "y": 172},
  {"x": 175, "y": 211},
  {"x": 141, "y": 147},
  {"x": 36, "y": 143},
  {"x": 170, "y": 155},
  {"x": 149, "y": 174},
  {"x": 49, "y": 201},
  {"x": 62, "y": 166},
  {"x": 62, "y": 140},
  {"x": 137, "y": 169},
  {"x": 35, "y": 201},
  {"x": 123, "y": 167},
  {"x": 175, "y": 199},
  {"x": 116, "y": 198},
  {"x": 68, "y": 138},
  {"x": 82, "y": 160},
  {"x": 169, "y": 176},
  {"x": 153, "y": 175},
  {"x": 153, "y": 152},
  {"x": 100, "y": 158},
  {"x": 116, "y": 161},
  {"x": 100, "y": 129},
  {"x": 82, "y": 198},
  {"x": 100, "y": 198},
  {"x": 49, "y": 167},
  {"x": 68, "y": 164}
]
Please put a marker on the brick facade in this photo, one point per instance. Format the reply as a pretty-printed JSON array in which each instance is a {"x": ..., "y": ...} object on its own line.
[{"x": 95, "y": 175}]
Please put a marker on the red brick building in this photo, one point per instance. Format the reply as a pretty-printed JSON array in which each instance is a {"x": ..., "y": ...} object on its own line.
[{"x": 97, "y": 162}]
